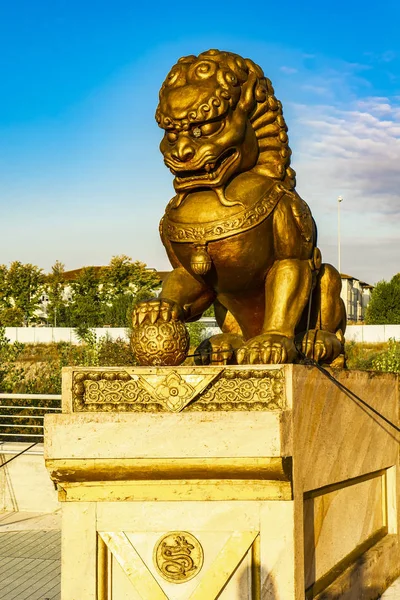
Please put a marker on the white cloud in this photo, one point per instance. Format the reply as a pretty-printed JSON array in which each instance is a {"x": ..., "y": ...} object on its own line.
[
  {"x": 357, "y": 148},
  {"x": 320, "y": 90},
  {"x": 288, "y": 70},
  {"x": 354, "y": 151},
  {"x": 382, "y": 57}
]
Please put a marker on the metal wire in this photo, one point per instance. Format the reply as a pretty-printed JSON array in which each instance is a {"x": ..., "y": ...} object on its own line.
[
  {"x": 19, "y": 454},
  {"x": 311, "y": 362}
]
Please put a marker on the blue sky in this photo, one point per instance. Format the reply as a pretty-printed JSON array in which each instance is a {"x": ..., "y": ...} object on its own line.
[{"x": 81, "y": 177}]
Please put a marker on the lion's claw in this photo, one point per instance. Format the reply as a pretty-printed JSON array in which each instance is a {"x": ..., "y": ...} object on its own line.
[
  {"x": 154, "y": 309},
  {"x": 266, "y": 349},
  {"x": 322, "y": 346},
  {"x": 218, "y": 350}
]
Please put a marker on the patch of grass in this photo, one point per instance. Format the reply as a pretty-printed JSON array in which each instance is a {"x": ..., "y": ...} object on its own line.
[
  {"x": 36, "y": 368},
  {"x": 361, "y": 356}
]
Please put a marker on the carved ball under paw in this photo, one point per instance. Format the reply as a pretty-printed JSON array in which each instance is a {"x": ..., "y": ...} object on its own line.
[{"x": 160, "y": 343}]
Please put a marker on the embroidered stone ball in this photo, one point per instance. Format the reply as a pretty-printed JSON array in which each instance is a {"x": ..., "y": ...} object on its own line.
[{"x": 160, "y": 343}]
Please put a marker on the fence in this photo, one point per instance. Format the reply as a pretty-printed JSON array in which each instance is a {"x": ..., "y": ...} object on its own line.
[{"x": 21, "y": 415}]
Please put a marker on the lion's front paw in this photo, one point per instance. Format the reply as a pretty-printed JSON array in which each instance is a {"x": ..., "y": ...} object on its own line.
[
  {"x": 218, "y": 350},
  {"x": 267, "y": 349},
  {"x": 322, "y": 346},
  {"x": 156, "y": 308}
]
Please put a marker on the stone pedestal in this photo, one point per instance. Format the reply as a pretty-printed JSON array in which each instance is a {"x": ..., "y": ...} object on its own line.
[{"x": 238, "y": 483}]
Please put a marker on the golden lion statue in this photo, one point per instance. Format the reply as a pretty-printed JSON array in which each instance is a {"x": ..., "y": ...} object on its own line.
[{"x": 237, "y": 233}]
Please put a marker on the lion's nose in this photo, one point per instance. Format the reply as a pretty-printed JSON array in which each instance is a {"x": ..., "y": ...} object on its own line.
[{"x": 183, "y": 152}]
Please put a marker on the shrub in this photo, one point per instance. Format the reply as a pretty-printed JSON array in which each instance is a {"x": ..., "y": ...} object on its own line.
[
  {"x": 388, "y": 361},
  {"x": 361, "y": 356},
  {"x": 114, "y": 352},
  {"x": 37, "y": 368}
]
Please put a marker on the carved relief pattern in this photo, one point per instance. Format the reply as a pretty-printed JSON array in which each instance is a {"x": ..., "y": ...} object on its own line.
[
  {"x": 161, "y": 343},
  {"x": 174, "y": 391},
  {"x": 114, "y": 391},
  {"x": 178, "y": 556},
  {"x": 243, "y": 390},
  {"x": 111, "y": 391},
  {"x": 232, "y": 390}
]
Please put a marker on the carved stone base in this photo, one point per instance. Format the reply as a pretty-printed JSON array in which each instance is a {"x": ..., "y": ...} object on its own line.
[{"x": 238, "y": 483}]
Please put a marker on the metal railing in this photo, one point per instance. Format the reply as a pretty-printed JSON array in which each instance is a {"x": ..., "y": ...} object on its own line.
[{"x": 21, "y": 415}]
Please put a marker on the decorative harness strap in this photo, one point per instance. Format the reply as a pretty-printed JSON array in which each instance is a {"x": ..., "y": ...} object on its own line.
[{"x": 201, "y": 235}]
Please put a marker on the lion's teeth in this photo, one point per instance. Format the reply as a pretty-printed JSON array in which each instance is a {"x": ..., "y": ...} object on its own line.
[{"x": 207, "y": 167}]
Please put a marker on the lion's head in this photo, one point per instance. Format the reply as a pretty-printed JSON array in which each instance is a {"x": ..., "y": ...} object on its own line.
[{"x": 221, "y": 118}]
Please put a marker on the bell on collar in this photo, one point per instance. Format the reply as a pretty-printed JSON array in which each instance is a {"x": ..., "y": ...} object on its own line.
[{"x": 201, "y": 261}]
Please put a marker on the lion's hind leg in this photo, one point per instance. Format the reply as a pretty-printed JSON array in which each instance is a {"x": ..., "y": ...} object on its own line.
[{"x": 323, "y": 340}]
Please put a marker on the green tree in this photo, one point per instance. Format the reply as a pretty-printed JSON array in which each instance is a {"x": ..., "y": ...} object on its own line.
[
  {"x": 384, "y": 306},
  {"x": 88, "y": 302},
  {"x": 117, "y": 277},
  {"x": 58, "y": 310},
  {"x": 24, "y": 287},
  {"x": 4, "y": 288},
  {"x": 124, "y": 283},
  {"x": 11, "y": 317}
]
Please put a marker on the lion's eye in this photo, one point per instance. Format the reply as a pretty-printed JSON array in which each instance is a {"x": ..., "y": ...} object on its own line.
[
  {"x": 196, "y": 132},
  {"x": 172, "y": 136},
  {"x": 210, "y": 128}
]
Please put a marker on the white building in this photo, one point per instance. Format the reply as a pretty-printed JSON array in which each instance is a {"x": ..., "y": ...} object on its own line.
[{"x": 356, "y": 295}]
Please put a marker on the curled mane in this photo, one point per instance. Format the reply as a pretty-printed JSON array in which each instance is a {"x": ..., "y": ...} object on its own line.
[{"x": 235, "y": 81}]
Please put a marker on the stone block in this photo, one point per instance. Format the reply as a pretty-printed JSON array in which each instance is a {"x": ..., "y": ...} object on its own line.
[{"x": 266, "y": 483}]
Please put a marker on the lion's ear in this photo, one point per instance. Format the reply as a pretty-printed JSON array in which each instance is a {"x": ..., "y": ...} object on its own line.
[{"x": 248, "y": 100}]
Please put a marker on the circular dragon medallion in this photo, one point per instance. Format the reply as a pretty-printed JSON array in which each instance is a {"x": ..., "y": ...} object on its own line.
[{"x": 178, "y": 556}]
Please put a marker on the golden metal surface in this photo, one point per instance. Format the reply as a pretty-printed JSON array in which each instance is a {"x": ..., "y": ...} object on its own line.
[
  {"x": 178, "y": 556},
  {"x": 144, "y": 469},
  {"x": 161, "y": 343},
  {"x": 175, "y": 491},
  {"x": 173, "y": 390},
  {"x": 208, "y": 232},
  {"x": 237, "y": 233}
]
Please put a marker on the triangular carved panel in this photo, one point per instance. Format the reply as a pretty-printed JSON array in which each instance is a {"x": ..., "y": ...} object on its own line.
[
  {"x": 137, "y": 555},
  {"x": 175, "y": 389}
]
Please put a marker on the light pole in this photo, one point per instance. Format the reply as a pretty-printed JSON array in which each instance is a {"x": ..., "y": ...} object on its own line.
[{"x": 340, "y": 199}]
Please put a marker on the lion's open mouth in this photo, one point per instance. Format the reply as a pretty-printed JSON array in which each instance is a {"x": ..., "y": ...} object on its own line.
[{"x": 212, "y": 171}]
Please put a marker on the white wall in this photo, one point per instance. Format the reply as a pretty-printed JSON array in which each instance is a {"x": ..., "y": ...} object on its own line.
[
  {"x": 36, "y": 335},
  {"x": 372, "y": 334},
  {"x": 45, "y": 335},
  {"x": 25, "y": 484}
]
